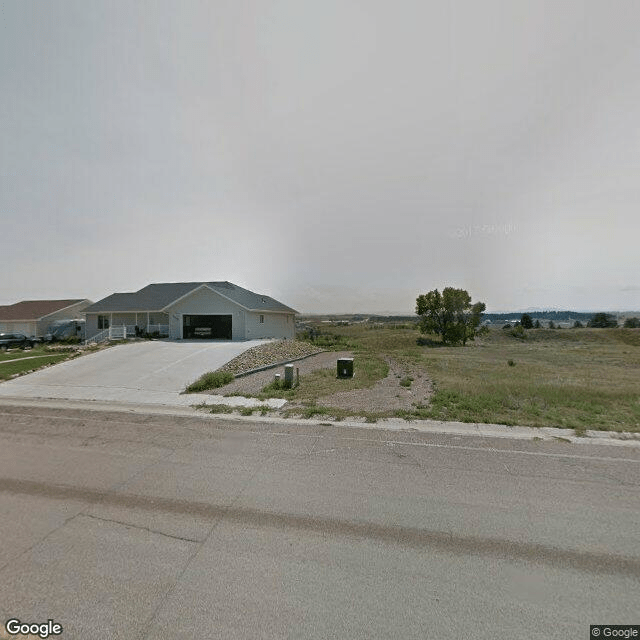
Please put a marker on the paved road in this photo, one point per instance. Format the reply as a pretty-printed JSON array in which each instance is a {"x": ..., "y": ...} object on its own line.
[
  {"x": 137, "y": 526},
  {"x": 153, "y": 372}
]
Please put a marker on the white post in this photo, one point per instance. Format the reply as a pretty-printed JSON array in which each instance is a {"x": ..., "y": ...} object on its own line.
[{"x": 124, "y": 331}]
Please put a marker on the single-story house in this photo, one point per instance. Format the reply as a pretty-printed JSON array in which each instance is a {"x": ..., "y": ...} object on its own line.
[
  {"x": 34, "y": 317},
  {"x": 193, "y": 310}
]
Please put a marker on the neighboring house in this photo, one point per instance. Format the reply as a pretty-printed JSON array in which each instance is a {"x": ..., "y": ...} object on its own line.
[
  {"x": 193, "y": 310},
  {"x": 34, "y": 317}
]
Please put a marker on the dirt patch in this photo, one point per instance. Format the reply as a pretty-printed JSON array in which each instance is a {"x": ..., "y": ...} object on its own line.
[{"x": 387, "y": 394}]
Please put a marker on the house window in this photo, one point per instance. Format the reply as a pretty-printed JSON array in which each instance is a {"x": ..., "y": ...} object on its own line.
[
  {"x": 261, "y": 319},
  {"x": 103, "y": 322}
]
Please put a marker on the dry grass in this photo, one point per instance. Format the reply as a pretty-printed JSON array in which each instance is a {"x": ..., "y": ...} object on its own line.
[{"x": 573, "y": 378}]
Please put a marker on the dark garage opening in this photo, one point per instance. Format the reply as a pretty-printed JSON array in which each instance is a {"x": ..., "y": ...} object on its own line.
[{"x": 207, "y": 327}]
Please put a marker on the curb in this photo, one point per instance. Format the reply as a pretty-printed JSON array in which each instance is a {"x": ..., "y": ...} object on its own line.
[{"x": 426, "y": 427}]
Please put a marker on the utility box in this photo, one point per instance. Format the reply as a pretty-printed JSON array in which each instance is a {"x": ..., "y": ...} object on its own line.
[
  {"x": 288, "y": 376},
  {"x": 345, "y": 367}
]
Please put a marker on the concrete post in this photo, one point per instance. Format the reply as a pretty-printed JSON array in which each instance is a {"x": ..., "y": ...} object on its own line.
[{"x": 288, "y": 376}]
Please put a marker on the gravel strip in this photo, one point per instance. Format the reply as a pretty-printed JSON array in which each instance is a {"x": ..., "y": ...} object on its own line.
[{"x": 268, "y": 354}]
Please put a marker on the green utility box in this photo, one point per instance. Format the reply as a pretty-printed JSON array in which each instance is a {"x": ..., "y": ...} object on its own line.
[{"x": 345, "y": 367}]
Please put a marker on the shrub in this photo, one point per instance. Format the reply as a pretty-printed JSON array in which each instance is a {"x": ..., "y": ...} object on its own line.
[
  {"x": 211, "y": 380},
  {"x": 406, "y": 382},
  {"x": 511, "y": 363},
  {"x": 632, "y": 323},
  {"x": 519, "y": 332}
]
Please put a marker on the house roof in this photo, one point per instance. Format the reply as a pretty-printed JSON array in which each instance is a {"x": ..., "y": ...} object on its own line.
[
  {"x": 34, "y": 309},
  {"x": 157, "y": 297}
]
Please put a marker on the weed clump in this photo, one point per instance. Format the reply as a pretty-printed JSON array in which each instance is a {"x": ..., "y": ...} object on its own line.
[{"x": 211, "y": 380}]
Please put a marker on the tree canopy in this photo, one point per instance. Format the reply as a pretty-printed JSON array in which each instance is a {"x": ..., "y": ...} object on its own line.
[
  {"x": 602, "y": 321},
  {"x": 526, "y": 321},
  {"x": 449, "y": 314}
]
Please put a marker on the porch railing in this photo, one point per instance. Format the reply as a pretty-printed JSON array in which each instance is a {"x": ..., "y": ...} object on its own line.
[{"x": 124, "y": 331}]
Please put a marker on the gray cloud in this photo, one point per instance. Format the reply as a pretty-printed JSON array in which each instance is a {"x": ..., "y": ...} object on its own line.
[{"x": 344, "y": 155}]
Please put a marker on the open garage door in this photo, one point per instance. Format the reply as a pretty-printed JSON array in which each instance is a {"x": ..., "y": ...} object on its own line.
[{"x": 207, "y": 327}]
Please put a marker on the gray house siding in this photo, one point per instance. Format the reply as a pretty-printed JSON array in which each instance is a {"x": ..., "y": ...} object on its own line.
[{"x": 274, "y": 325}]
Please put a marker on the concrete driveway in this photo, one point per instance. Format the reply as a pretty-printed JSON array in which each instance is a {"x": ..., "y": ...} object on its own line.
[{"x": 154, "y": 372}]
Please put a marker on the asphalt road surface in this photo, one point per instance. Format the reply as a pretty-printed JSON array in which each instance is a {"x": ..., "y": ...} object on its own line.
[{"x": 122, "y": 525}]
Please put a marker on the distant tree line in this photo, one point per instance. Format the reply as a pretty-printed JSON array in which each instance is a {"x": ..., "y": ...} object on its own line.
[{"x": 596, "y": 321}]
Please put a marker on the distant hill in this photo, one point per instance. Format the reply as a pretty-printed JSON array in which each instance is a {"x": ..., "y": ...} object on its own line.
[
  {"x": 495, "y": 318},
  {"x": 556, "y": 316}
]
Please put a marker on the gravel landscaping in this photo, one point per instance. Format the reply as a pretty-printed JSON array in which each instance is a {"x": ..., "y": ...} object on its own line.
[{"x": 268, "y": 354}]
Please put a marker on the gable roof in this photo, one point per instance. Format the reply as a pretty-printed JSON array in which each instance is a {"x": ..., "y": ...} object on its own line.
[
  {"x": 35, "y": 309},
  {"x": 157, "y": 297}
]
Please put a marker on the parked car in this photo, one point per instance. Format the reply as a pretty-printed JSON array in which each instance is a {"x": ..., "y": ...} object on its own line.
[{"x": 10, "y": 340}]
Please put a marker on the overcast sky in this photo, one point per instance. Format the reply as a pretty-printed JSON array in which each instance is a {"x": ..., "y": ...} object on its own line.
[{"x": 339, "y": 155}]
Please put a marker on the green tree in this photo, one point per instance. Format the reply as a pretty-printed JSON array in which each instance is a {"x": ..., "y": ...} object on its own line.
[
  {"x": 578, "y": 325},
  {"x": 632, "y": 323},
  {"x": 552, "y": 324},
  {"x": 602, "y": 321},
  {"x": 537, "y": 324},
  {"x": 526, "y": 321},
  {"x": 450, "y": 314}
]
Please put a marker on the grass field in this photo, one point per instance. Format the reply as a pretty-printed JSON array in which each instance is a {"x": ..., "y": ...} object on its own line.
[
  {"x": 572, "y": 378},
  {"x": 19, "y": 361}
]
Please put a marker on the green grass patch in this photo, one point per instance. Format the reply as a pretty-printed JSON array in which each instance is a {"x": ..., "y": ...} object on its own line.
[
  {"x": 211, "y": 380},
  {"x": 10, "y": 367}
]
